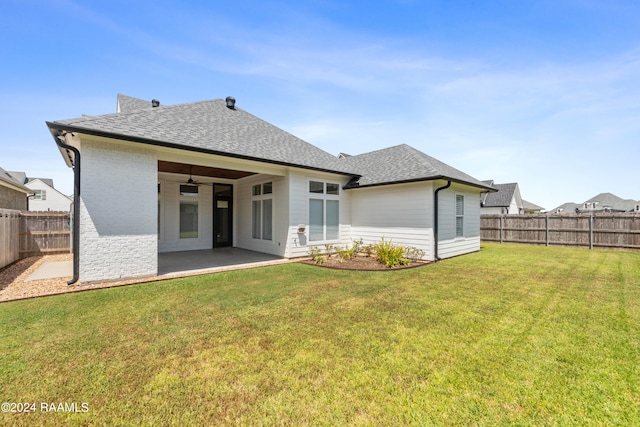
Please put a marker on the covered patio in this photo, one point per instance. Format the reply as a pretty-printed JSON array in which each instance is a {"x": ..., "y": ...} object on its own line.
[
  {"x": 212, "y": 260},
  {"x": 177, "y": 264}
]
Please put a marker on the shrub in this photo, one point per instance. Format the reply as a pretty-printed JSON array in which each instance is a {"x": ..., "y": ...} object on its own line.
[
  {"x": 358, "y": 246},
  {"x": 390, "y": 255},
  {"x": 414, "y": 254},
  {"x": 316, "y": 255}
]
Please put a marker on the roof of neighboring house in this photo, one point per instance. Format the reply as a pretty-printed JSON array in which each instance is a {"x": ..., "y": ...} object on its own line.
[
  {"x": 211, "y": 127},
  {"x": 528, "y": 206},
  {"x": 568, "y": 207},
  {"x": 47, "y": 181},
  {"x": 402, "y": 163},
  {"x": 602, "y": 200},
  {"x": 7, "y": 180},
  {"x": 24, "y": 179},
  {"x": 501, "y": 198},
  {"x": 613, "y": 201},
  {"x": 21, "y": 177}
]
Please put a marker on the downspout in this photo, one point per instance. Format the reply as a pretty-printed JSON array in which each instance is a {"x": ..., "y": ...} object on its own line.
[
  {"x": 435, "y": 219},
  {"x": 61, "y": 141}
]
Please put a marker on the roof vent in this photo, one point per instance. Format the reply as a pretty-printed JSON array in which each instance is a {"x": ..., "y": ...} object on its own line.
[
  {"x": 155, "y": 103},
  {"x": 231, "y": 102}
]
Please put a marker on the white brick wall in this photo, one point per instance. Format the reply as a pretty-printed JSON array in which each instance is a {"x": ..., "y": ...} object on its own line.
[{"x": 118, "y": 217}]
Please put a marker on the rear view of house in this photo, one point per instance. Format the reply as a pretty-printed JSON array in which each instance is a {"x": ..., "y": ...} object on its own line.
[{"x": 206, "y": 175}]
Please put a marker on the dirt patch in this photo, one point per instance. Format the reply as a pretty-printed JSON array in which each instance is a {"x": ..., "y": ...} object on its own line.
[
  {"x": 13, "y": 279},
  {"x": 362, "y": 263}
]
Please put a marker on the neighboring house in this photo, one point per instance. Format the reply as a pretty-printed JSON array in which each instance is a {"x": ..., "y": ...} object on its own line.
[
  {"x": 13, "y": 195},
  {"x": 531, "y": 208},
  {"x": 505, "y": 201},
  {"x": 603, "y": 202},
  {"x": 45, "y": 197},
  {"x": 207, "y": 175}
]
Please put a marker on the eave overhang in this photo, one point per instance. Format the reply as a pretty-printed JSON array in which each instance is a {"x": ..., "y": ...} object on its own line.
[
  {"x": 58, "y": 129},
  {"x": 353, "y": 184}
]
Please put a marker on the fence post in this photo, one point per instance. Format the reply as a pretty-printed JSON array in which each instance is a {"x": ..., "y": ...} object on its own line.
[
  {"x": 500, "y": 228},
  {"x": 591, "y": 231},
  {"x": 546, "y": 226}
]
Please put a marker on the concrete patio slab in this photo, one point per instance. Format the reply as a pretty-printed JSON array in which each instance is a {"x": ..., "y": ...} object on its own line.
[
  {"x": 175, "y": 264},
  {"x": 170, "y": 263},
  {"x": 52, "y": 270}
]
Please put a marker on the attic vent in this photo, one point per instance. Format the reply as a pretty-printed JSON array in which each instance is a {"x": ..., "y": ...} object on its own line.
[
  {"x": 155, "y": 103},
  {"x": 231, "y": 102}
]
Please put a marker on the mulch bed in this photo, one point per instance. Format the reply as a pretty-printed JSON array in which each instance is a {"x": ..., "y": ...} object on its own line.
[{"x": 362, "y": 263}]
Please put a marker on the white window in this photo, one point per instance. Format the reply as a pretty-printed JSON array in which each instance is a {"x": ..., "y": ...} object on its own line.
[
  {"x": 189, "y": 211},
  {"x": 40, "y": 195},
  {"x": 324, "y": 211},
  {"x": 459, "y": 215},
  {"x": 262, "y": 211}
]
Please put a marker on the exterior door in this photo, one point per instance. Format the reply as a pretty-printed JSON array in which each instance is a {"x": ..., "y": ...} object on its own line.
[{"x": 222, "y": 215}]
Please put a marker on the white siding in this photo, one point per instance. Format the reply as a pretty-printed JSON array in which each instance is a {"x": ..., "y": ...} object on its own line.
[
  {"x": 450, "y": 245},
  {"x": 492, "y": 211},
  {"x": 297, "y": 243},
  {"x": 243, "y": 212},
  {"x": 118, "y": 207},
  {"x": 170, "y": 240},
  {"x": 54, "y": 200},
  {"x": 400, "y": 213}
]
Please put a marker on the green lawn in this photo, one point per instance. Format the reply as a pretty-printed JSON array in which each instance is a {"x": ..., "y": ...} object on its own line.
[{"x": 512, "y": 335}]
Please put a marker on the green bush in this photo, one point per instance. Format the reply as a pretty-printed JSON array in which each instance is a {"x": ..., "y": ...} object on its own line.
[{"x": 390, "y": 255}]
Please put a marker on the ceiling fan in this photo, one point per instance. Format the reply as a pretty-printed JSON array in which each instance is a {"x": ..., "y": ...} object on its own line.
[{"x": 191, "y": 181}]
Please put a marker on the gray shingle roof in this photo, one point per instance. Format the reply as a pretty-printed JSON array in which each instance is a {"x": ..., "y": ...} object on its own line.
[
  {"x": 127, "y": 104},
  {"x": 528, "y": 206},
  {"x": 602, "y": 200},
  {"x": 211, "y": 127},
  {"x": 208, "y": 126},
  {"x": 7, "y": 178},
  {"x": 21, "y": 177},
  {"x": 402, "y": 163},
  {"x": 501, "y": 198}
]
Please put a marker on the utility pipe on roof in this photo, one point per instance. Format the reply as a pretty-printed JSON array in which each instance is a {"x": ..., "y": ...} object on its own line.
[
  {"x": 435, "y": 219},
  {"x": 62, "y": 140}
]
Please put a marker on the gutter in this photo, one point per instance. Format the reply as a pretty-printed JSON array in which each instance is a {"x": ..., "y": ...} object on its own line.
[
  {"x": 353, "y": 184},
  {"x": 435, "y": 219},
  {"x": 61, "y": 140}
]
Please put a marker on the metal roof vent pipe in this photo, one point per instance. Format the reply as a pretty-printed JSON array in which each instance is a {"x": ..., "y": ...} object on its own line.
[
  {"x": 231, "y": 102},
  {"x": 155, "y": 103}
]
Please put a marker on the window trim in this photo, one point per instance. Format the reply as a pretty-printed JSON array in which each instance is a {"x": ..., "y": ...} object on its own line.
[
  {"x": 261, "y": 198},
  {"x": 459, "y": 216},
  {"x": 323, "y": 197},
  {"x": 192, "y": 198}
]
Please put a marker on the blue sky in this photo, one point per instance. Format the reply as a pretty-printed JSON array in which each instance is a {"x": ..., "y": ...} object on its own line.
[{"x": 543, "y": 93}]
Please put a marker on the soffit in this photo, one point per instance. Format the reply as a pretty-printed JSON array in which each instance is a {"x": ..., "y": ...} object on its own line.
[{"x": 196, "y": 170}]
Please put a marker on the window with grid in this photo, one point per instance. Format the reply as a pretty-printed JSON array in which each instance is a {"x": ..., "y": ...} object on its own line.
[
  {"x": 324, "y": 211},
  {"x": 262, "y": 211},
  {"x": 459, "y": 215}
]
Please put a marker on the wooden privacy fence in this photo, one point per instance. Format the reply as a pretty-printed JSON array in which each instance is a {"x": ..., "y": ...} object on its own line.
[
  {"x": 601, "y": 230},
  {"x": 44, "y": 233},
  {"x": 9, "y": 242}
]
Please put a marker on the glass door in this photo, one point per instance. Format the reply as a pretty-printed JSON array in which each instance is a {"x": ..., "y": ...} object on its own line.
[{"x": 222, "y": 215}]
